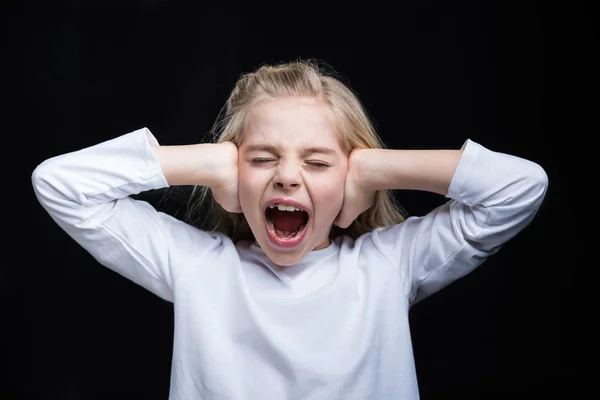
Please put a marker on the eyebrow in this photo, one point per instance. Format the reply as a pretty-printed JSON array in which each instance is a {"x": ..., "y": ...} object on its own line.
[{"x": 272, "y": 149}]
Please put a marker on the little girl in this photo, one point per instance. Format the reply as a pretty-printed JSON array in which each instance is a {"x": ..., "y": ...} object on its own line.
[{"x": 303, "y": 288}]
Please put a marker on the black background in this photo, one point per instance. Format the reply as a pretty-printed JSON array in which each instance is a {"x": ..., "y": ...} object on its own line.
[{"x": 430, "y": 73}]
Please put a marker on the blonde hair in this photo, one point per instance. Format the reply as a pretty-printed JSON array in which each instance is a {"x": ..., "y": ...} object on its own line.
[{"x": 304, "y": 78}]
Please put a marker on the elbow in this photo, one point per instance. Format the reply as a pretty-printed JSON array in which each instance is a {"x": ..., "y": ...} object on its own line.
[
  {"x": 517, "y": 210},
  {"x": 537, "y": 182},
  {"x": 530, "y": 191},
  {"x": 41, "y": 180}
]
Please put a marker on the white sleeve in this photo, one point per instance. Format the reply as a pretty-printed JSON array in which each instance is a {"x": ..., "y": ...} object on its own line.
[
  {"x": 493, "y": 196},
  {"x": 86, "y": 192}
]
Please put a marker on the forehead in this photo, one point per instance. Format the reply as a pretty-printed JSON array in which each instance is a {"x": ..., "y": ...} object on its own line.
[{"x": 294, "y": 122}]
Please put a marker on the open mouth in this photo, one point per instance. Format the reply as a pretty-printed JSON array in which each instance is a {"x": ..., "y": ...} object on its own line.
[{"x": 286, "y": 224}]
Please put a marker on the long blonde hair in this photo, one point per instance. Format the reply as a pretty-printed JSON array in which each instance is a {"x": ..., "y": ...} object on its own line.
[{"x": 306, "y": 78}]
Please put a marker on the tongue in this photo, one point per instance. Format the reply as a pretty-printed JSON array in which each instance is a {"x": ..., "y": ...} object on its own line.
[{"x": 286, "y": 221}]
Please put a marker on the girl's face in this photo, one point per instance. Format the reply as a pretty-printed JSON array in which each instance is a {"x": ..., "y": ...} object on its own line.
[{"x": 290, "y": 160}]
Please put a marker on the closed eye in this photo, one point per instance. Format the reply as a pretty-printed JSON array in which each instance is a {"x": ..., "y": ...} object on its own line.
[
  {"x": 318, "y": 164},
  {"x": 261, "y": 160}
]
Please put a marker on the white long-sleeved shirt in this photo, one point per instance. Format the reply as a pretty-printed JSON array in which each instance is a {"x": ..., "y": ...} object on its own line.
[{"x": 334, "y": 326}]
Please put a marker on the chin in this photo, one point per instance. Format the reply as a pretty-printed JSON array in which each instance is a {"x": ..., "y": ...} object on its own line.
[{"x": 282, "y": 256}]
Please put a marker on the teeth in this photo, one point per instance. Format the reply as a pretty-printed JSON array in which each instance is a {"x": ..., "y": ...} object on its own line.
[{"x": 283, "y": 207}]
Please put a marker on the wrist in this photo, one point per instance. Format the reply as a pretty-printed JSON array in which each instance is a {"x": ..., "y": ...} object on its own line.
[{"x": 223, "y": 164}]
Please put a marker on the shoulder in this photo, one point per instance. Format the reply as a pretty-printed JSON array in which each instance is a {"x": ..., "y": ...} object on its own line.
[
  {"x": 380, "y": 240},
  {"x": 190, "y": 241},
  {"x": 392, "y": 234}
]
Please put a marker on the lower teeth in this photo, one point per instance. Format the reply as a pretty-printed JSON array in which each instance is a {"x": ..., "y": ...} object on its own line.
[{"x": 282, "y": 235}]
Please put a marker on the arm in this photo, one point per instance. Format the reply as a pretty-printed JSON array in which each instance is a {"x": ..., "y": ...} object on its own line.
[
  {"x": 194, "y": 164},
  {"x": 207, "y": 164},
  {"x": 492, "y": 196},
  {"x": 428, "y": 170},
  {"x": 371, "y": 170},
  {"x": 86, "y": 193}
]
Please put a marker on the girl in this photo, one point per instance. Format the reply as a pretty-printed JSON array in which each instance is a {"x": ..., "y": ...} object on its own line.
[{"x": 302, "y": 290}]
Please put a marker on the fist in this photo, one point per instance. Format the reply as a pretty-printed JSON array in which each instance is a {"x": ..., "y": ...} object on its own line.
[
  {"x": 225, "y": 190},
  {"x": 357, "y": 198}
]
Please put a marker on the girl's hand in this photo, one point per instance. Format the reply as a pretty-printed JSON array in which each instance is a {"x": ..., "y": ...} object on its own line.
[
  {"x": 225, "y": 190},
  {"x": 357, "y": 198}
]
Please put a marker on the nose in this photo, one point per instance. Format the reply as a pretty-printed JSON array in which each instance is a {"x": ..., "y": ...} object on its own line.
[{"x": 287, "y": 177}]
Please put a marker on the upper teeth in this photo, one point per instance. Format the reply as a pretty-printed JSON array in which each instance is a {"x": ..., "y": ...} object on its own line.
[{"x": 283, "y": 207}]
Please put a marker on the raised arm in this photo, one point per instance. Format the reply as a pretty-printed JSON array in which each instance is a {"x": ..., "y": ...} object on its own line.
[
  {"x": 87, "y": 193},
  {"x": 428, "y": 170},
  {"x": 493, "y": 196}
]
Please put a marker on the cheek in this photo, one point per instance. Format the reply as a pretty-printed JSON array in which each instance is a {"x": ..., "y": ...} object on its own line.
[{"x": 248, "y": 187}]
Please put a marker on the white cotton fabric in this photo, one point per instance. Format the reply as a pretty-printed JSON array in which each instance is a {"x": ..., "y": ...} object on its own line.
[{"x": 334, "y": 326}]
